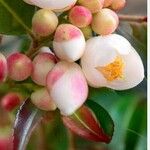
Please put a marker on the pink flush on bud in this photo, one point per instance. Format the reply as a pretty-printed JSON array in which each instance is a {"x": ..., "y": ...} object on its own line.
[
  {"x": 10, "y": 101},
  {"x": 3, "y": 68},
  {"x": 19, "y": 66},
  {"x": 69, "y": 42},
  {"x": 44, "y": 22},
  {"x": 42, "y": 64},
  {"x": 42, "y": 100},
  {"x": 80, "y": 16},
  {"x": 67, "y": 87},
  {"x": 118, "y": 4},
  {"x": 93, "y": 5},
  {"x": 105, "y": 22}
]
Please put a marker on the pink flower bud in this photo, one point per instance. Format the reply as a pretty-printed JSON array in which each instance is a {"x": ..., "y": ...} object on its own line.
[
  {"x": 118, "y": 4},
  {"x": 19, "y": 66},
  {"x": 107, "y": 3},
  {"x": 3, "y": 68},
  {"x": 59, "y": 6},
  {"x": 10, "y": 101},
  {"x": 42, "y": 64},
  {"x": 105, "y": 22},
  {"x": 67, "y": 87},
  {"x": 42, "y": 100},
  {"x": 69, "y": 42},
  {"x": 44, "y": 22},
  {"x": 111, "y": 63},
  {"x": 80, "y": 16},
  {"x": 93, "y": 5}
]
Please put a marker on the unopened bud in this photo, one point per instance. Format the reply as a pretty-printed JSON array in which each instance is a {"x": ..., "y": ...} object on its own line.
[
  {"x": 19, "y": 66},
  {"x": 67, "y": 86},
  {"x": 105, "y": 22},
  {"x": 80, "y": 16},
  {"x": 69, "y": 42},
  {"x": 44, "y": 22},
  {"x": 42, "y": 100},
  {"x": 118, "y": 4}
]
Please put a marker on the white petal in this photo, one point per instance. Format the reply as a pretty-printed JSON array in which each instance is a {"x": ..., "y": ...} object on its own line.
[
  {"x": 70, "y": 50},
  {"x": 97, "y": 53},
  {"x": 133, "y": 73}
]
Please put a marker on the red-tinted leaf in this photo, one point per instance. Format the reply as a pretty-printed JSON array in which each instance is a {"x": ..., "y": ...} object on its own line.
[
  {"x": 26, "y": 120},
  {"x": 86, "y": 124}
]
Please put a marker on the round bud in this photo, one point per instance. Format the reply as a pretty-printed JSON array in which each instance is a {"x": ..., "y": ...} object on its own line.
[
  {"x": 118, "y": 4},
  {"x": 59, "y": 6},
  {"x": 67, "y": 86},
  {"x": 3, "y": 68},
  {"x": 69, "y": 42},
  {"x": 105, "y": 22},
  {"x": 80, "y": 16},
  {"x": 10, "y": 101},
  {"x": 107, "y": 3},
  {"x": 44, "y": 22},
  {"x": 19, "y": 66},
  {"x": 41, "y": 99},
  {"x": 114, "y": 63},
  {"x": 93, "y": 5},
  {"x": 42, "y": 64},
  {"x": 87, "y": 32},
  {"x": 46, "y": 49}
]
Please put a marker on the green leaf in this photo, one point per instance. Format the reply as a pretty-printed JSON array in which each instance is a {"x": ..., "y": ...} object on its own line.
[
  {"x": 103, "y": 117},
  {"x": 15, "y": 17},
  {"x": 91, "y": 122}
]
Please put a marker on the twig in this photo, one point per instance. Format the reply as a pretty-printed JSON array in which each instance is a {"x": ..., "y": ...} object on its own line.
[{"x": 133, "y": 18}]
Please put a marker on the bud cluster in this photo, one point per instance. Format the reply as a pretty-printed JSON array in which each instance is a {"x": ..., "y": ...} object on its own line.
[{"x": 107, "y": 60}]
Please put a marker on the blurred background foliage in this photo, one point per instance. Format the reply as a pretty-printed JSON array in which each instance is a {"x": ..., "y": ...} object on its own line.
[{"x": 127, "y": 108}]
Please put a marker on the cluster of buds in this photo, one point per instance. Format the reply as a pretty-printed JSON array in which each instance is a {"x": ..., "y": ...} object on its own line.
[{"x": 107, "y": 60}]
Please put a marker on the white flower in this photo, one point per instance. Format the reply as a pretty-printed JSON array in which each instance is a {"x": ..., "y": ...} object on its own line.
[{"x": 111, "y": 61}]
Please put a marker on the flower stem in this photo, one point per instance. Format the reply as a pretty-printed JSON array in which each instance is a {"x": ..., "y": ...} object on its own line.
[{"x": 133, "y": 18}]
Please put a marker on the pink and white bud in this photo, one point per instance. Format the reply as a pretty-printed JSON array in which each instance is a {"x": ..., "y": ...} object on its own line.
[
  {"x": 67, "y": 86},
  {"x": 80, "y": 16},
  {"x": 59, "y": 6},
  {"x": 69, "y": 42},
  {"x": 3, "y": 68},
  {"x": 42, "y": 64},
  {"x": 44, "y": 22},
  {"x": 10, "y": 101},
  {"x": 19, "y": 66},
  {"x": 111, "y": 63},
  {"x": 118, "y": 4},
  {"x": 105, "y": 22},
  {"x": 93, "y": 5},
  {"x": 107, "y": 3},
  {"x": 41, "y": 99}
]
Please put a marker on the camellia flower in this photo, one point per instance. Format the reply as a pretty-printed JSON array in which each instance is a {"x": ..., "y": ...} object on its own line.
[
  {"x": 42, "y": 100},
  {"x": 69, "y": 42},
  {"x": 3, "y": 68},
  {"x": 111, "y": 61},
  {"x": 61, "y": 5},
  {"x": 67, "y": 87}
]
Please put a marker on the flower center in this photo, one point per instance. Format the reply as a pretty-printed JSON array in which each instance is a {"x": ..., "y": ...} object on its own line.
[{"x": 113, "y": 70}]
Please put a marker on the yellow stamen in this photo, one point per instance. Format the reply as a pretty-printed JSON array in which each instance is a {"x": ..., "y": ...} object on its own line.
[{"x": 113, "y": 70}]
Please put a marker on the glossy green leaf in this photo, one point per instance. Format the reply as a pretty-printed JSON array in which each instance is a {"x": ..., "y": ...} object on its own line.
[{"x": 15, "y": 17}]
